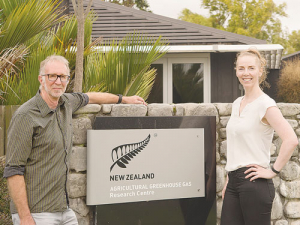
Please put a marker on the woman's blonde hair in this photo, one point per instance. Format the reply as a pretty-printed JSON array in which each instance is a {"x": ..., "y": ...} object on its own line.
[{"x": 261, "y": 60}]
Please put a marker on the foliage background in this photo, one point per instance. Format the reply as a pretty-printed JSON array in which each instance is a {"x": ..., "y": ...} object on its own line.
[
  {"x": 254, "y": 18},
  {"x": 120, "y": 70},
  {"x": 289, "y": 82},
  {"x": 5, "y": 217}
]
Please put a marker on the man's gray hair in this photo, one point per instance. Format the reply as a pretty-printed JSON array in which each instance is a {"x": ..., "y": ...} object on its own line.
[{"x": 54, "y": 58}]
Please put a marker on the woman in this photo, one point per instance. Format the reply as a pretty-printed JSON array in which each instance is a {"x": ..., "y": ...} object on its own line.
[{"x": 249, "y": 191}]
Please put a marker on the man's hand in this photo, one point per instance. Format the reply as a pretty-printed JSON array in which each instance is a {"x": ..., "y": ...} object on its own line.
[
  {"x": 27, "y": 220},
  {"x": 133, "y": 100},
  {"x": 17, "y": 191}
]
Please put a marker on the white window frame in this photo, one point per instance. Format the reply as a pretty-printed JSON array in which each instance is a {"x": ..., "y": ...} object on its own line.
[{"x": 170, "y": 59}]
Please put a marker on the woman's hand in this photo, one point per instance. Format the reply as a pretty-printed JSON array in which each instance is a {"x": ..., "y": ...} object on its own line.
[
  {"x": 224, "y": 188},
  {"x": 223, "y": 191},
  {"x": 256, "y": 171}
]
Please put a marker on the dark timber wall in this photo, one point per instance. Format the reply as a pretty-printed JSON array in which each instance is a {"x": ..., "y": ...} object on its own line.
[
  {"x": 272, "y": 78},
  {"x": 224, "y": 83}
]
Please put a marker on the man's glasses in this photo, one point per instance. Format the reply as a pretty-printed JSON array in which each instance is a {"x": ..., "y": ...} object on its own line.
[{"x": 53, "y": 77}]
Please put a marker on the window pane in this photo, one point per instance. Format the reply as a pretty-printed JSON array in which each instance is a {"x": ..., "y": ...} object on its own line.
[
  {"x": 156, "y": 95},
  {"x": 188, "y": 82}
]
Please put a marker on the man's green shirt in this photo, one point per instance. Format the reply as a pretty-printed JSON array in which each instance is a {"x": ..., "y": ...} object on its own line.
[{"x": 39, "y": 143}]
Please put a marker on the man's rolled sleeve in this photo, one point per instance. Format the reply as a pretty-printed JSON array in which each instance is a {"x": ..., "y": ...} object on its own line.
[
  {"x": 77, "y": 100},
  {"x": 19, "y": 144},
  {"x": 10, "y": 171}
]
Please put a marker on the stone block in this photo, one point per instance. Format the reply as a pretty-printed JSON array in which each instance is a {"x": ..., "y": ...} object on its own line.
[
  {"x": 273, "y": 149},
  {"x": 293, "y": 123},
  {"x": 203, "y": 109},
  {"x": 223, "y": 162},
  {"x": 78, "y": 159},
  {"x": 123, "y": 110},
  {"x": 290, "y": 189},
  {"x": 273, "y": 159},
  {"x": 277, "y": 143},
  {"x": 276, "y": 181},
  {"x": 289, "y": 109},
  {"x": 223, "y": 148},
  {"x": 79, "y": 205},
  {"x": 295, "y": 222},
  {"x": 277, "y": 208},
  {"x": 296, "y": 151},
  {"x": 224, "y": 120},
  {"x": 223, "y": 133},
  {"x": 221, "y": 178},
  {"x": 224, "y": 108},
  {"x": 291, "y": 209},
  {"x": 281, "y": 222},
  {"x": 106, "y": 108},
  {"x": 88, "y": 109},
  {"x": 219, "y": 194},
  {"x": 219, "y": 208},
  {"x": 291, "y": 171},
  {"x": 298, "y": 131},
  {"x": 160, "y": 109},
  {"x": 77, "y": 185},
  {"x": 217, "y": 147},
  {"x": 218, "y": 157},
  {"x": 80, "y": 127},
  {"x": 179, "y": 110},
  {"x": 83, "y": 220}
]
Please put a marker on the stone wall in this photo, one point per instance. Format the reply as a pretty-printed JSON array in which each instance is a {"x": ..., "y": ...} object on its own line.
[{"x": 286, "y": 206}]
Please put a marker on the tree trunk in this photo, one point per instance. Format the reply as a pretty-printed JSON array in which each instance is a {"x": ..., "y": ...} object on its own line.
[{"x": 80, "y": 46}]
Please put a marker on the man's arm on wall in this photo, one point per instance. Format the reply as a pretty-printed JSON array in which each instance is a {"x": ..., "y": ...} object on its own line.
[
  {"x": 17, "y": 191},
  {"x": 107, "y": 98}
]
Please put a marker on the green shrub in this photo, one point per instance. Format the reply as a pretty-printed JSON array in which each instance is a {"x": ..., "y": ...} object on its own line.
[
  {"x": 289, "y": 82},
  {"x": 5, "y": 217}
]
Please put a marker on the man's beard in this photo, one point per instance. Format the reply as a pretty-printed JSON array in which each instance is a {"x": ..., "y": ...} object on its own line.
[{"x": 54, "y": 94}]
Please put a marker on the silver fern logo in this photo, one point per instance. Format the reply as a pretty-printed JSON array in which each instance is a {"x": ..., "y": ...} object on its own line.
[{"x": 123, "y": 154}]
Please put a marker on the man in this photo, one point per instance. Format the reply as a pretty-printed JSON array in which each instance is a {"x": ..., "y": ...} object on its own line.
[{"x": 39, "y": 143}]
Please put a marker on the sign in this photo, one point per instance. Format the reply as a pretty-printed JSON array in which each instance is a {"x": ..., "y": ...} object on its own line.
[{"x": 132, "y": 165}]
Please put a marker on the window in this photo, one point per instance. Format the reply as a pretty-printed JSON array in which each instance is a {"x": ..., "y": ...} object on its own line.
[
  {"x": 156, "y": 95},
  {"x": 188, "y": 81},
  {"x": 182, "y": 78}
]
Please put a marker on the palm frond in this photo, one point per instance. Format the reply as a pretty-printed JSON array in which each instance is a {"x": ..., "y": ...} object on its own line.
[
  {"x": 10, "y": 59},
  {"x": 125, "y": 68},
  {"x": 27, "y": 20}
]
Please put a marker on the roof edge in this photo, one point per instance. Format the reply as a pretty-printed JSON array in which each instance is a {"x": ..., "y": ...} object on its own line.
[{"x": 241, "y": 38}]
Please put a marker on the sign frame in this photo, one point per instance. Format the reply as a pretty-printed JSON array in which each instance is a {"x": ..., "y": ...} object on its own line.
[{"x": 185, "y": 211}]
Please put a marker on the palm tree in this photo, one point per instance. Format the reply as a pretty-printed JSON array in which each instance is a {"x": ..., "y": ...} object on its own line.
[
  {"x": 20, "y": 22},
  {"x": 125, "y": 69}
]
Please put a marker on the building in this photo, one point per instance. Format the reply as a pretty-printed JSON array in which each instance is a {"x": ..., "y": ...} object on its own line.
[
  {"x": 291, "y": 57},
  {"x": 199, "y": 65}
]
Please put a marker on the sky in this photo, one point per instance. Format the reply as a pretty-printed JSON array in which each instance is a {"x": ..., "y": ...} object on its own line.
[{"x": 172, "y": 8}]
